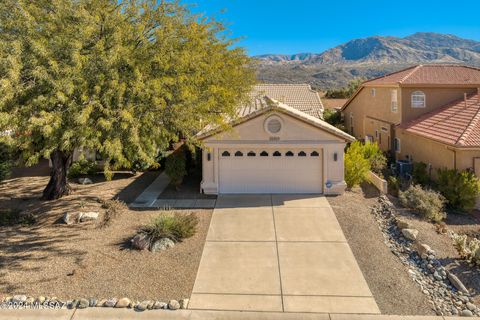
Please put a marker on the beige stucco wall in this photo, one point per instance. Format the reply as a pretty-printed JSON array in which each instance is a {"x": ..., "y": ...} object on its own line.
[
  {"x": 294, "y": 134},
  {"x": 435, "y": 153},
  {"x": 378, "y": 107},
  {"x": 434, "y": 98}
]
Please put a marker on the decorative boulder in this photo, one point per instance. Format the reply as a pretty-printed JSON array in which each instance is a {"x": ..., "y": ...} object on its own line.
[
  {"x": 140, "y": 242},
  {"x": 410, "y": 234},
  {"x": 123, "y": 303},
  {"x": 162, "y": 244},
  {"x": 173, "y": 305},
  {"x": 402, "y": 224},
  {"x": 87, "y": 216},
  {"x": 70, "y": 218},
  {"x": 423, "y": 250},
  {"x": 457, "y": 283},
  {"x": 84, "y": 181}
]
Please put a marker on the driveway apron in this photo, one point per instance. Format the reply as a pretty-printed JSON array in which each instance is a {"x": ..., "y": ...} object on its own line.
[{"x": 283, "y": 253}]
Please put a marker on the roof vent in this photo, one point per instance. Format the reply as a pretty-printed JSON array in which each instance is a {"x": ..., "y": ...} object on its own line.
[{"x": 273, "y": 125}]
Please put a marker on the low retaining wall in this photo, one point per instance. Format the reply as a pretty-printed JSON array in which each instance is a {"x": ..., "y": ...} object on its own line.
[{"x": 379, "y": 183}]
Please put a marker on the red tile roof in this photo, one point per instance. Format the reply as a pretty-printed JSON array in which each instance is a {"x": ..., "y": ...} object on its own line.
[
  {"x": 431, "y": 74},
  {"x": 457, "y": 123}
]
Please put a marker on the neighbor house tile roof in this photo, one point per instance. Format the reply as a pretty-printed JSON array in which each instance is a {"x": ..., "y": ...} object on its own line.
[
  {"x": 298, "y": 96},
  {"x": 433, "y": 74},
  {"x": 456, "y": 124}
]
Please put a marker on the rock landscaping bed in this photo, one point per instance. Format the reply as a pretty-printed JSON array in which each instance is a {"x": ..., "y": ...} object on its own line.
[
  {"x": 446, "y": 293},
  {"x": 92, "y": 256},
  {"x": 23, "y": 301}
]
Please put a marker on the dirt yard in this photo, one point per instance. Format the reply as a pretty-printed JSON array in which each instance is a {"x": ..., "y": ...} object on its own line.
[
  {"x": 392, "y": 287},
  {"x": 50, "y": 258}
]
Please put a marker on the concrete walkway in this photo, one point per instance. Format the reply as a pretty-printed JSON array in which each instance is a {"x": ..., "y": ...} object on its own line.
[
  {"x": 124, "y": 314},
  {"x": 150, "y": 195},
  {"x": 279, "y": 253}
]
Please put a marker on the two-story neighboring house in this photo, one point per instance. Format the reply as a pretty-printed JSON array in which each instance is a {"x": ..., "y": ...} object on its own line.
[{"x": 426, "y": 113}]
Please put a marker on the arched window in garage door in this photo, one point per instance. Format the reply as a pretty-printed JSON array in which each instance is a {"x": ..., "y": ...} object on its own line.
[
  {"x": 277, "y": 154},
  {"x": 238, "y": 154},
  {"x": 302, "y": 154},
  {"x": 264, "y": 154},
  {"x": 314, "y": 154},
  {"x": 251, "y": 154},
  {"x": 226, "y": 154},
  {"x": 289, "y": 154}
]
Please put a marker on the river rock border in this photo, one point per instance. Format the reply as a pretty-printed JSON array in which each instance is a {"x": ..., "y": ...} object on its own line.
[
  {"x": 23, "y": 302},
  {"x": 447, "y": 295}
]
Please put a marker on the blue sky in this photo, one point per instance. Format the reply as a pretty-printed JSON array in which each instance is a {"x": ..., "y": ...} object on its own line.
[{"x": 296, "y": 26}]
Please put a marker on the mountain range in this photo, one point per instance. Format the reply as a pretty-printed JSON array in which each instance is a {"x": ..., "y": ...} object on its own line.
[{"x": 369, "y": 57}]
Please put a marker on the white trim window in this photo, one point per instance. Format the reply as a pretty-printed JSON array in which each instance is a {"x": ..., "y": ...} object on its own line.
[
  {"x": 397, "y": 145},
  {"x": 418, "y": 99},
  {"x": 394, "y": 102}
]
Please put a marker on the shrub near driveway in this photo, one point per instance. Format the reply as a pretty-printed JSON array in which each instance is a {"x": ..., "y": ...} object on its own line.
[
  {"x": 428, "y": 203},
  {"x": 461, "y": 189}
]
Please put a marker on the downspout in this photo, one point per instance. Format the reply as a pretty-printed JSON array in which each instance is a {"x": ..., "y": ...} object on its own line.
[{"x": 454, "y": 157}]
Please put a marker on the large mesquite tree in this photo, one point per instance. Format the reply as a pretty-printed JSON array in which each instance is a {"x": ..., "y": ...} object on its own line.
[{"x": 124, "y": 78}]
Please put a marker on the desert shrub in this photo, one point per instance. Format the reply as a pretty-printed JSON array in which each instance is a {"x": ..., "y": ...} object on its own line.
[
  {"x": 113, "y": 208},
  {"x": 428, "y": 203},
  {"x": 375, "y": 156},
  {"x": 356, "y": 166},
  {"x": 461, "y": 189},
  {"x": 175, "y": 227},
  {"x": 420, "y": 174},
  {"x": 175, "y": 167},
  {"x": 393, "y": 186},
  {"x": 468, "y": 249},
  {"x": 82, "y": 167}
]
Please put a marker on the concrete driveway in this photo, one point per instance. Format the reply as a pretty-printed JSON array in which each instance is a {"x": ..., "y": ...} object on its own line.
[{"x": 282, "y": 253}]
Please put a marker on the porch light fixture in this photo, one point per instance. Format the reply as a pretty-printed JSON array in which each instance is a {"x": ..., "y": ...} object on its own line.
[
  {"x": 335, "y": 157},
  {"x": 209, "y": 156}
]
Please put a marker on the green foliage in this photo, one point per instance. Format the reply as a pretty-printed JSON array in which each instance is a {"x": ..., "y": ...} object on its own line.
[
  {"x": 461, "y": 189},
  {"x": 356, "y": 165},
  {"x": 124, "y": 78},
  {"x": 428, "y": 203},
  {"x": 420, "y": 174},
  {"x": 468, "y": 249},
  {"x": 82, "y": 167},
  {"x": 393, "y": 186},
  {"x": 175, "y": 167},
  {"x": 174, "y": 226},
  {"x": 334, "y": 117},
  {"x": 345, "y": 92},
  {"x": 378, "y": 161}
]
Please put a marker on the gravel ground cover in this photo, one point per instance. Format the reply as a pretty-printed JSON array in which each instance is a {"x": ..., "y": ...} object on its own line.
[{"x": 50, "y": 258}]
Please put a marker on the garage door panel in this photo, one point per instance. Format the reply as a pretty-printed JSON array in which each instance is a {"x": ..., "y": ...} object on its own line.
[{"x": 270, "y": 174}]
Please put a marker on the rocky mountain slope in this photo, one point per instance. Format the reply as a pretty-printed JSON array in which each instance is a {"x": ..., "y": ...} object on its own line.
[{"x": 368, "y": 57}]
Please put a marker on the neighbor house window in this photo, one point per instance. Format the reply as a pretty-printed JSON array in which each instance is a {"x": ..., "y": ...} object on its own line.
[
  {"x": 394, "y": 102},
  {"x": 396, "y": 144},
  {"x": 351, "y": 123},
  {"x": 418, "y": 99}
]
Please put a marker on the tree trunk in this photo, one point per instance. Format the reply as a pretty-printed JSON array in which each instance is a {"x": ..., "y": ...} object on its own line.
[{"x": 58, "y": 186}]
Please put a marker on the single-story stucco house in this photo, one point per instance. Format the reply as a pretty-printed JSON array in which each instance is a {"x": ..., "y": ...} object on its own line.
[{"x": 278, "y": 144}]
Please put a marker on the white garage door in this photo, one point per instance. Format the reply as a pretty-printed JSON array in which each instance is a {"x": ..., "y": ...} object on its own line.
[{"x": 271, "y": 171}]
